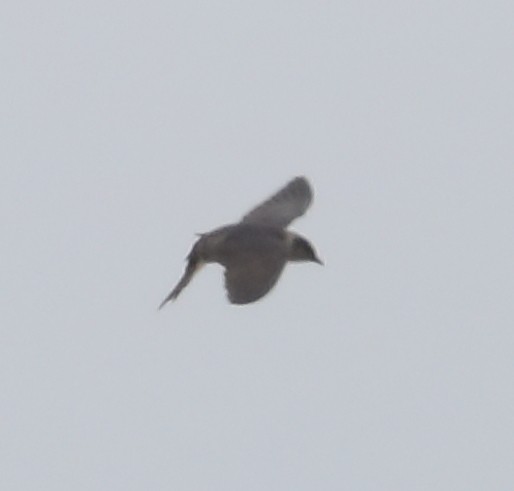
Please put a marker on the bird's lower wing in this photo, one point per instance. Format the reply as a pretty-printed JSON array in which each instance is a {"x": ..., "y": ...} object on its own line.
[{"x": 247, "y": 281}]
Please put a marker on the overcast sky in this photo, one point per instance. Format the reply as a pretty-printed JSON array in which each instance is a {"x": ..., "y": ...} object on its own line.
[{"x": 127, "y": 127}]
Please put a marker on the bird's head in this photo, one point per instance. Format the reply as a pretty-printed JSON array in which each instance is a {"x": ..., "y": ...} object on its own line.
[{"x": 302, "y": 250}]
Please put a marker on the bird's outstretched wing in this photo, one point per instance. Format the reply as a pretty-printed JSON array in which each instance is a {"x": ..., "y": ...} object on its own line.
[
  {"x": 283, "y": 207},
  {"x": 250, "y": 278}
]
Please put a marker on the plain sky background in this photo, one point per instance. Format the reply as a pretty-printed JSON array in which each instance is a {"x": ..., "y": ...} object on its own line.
[{"x": 126, "y": 127}]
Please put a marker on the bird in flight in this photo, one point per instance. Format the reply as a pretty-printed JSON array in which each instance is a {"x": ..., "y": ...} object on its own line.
[{"x": 255, "y": 250}]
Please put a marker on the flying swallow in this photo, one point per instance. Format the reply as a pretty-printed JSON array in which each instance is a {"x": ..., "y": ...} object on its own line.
[{"x": 255, "y": 250}]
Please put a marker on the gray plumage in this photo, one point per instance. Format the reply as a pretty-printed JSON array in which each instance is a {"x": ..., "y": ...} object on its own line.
[{"x": 255, "y": 250}]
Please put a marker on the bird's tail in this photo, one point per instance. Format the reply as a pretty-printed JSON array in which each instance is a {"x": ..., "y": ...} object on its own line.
[{"x": 193, "y": 265}]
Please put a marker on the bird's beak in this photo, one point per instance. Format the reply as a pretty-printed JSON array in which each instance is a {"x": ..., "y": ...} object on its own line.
[{"x": 319, "y": 261}]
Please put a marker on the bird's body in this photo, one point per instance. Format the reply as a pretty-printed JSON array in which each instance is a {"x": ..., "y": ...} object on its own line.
[
  {"x": 255, "y": 250},
  {"x": 227, "y": 244}
]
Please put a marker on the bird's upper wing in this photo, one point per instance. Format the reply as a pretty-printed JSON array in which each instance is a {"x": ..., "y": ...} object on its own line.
[
  {"x": 283, "y": 207},
  {"x": 252, "y": 276}
]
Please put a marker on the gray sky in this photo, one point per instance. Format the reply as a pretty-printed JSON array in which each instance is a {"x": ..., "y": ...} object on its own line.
[{"x": 126, "y": 127}]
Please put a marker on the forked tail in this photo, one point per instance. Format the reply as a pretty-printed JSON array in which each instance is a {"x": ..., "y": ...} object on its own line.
[{"x": 193, "y": 264}]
